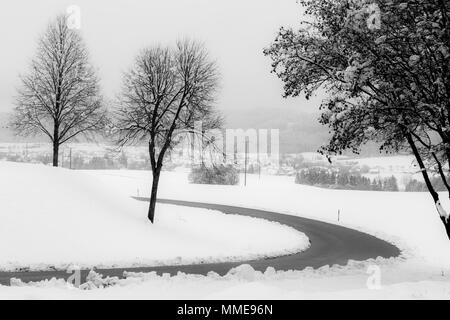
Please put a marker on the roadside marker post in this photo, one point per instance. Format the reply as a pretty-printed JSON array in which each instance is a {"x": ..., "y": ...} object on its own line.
[{"x": 245, "y": 161}]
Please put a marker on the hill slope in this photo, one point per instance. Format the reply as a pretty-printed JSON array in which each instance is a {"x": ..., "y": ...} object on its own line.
[{"x": 52, "y": 217}]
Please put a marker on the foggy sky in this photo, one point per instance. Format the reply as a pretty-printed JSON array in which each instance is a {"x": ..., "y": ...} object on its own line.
[{"x": 234, "y": 31}]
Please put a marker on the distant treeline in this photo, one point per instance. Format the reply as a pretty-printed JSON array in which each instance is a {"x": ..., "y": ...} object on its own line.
[
  {"x": 85, "y": 161},
  {"x": 418, "y": 186},
  {"x": 342, "y": 179}
]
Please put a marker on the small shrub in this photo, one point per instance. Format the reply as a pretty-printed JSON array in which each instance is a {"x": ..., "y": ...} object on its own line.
[{"x": 221, "y": 175}]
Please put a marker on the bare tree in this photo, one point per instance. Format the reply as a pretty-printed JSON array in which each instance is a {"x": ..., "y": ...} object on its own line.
[
  {"x": 166, "y": 91},
  {"x": 60, "y": 96}
]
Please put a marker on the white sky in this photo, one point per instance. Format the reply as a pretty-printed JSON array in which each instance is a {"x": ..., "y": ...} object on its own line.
[{"x": 235, "y": 32}]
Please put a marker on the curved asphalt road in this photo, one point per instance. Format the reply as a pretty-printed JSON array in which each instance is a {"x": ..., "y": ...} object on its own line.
[{"x": 330, "y": 244}]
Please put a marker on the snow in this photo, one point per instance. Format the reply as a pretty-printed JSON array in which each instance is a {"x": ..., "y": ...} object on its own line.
[
  {"x": 244, "y": 282},
  {"x": 53, "y": 218},
  {"x": 404, "y": 163},
  {"x": 384, "y": 165},
  {"x": 442, "y": 212},
  {"x": 408, "y": 220},
  {"x": 398, "y": 217}
]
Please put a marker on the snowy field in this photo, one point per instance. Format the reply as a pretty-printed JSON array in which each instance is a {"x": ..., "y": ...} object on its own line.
[
  {"x": 398, "y": 217},
  {"x": 407, "y": 219},
  {"x": 53, "y": 218}
]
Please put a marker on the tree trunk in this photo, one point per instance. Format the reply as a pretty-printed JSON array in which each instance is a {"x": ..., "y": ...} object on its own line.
[
  {"x": 446, "y": 223},
  {"x": 154, "y": 193},
  {"x": 443, "y": 215},
  {"x": 55, "y": 154}
]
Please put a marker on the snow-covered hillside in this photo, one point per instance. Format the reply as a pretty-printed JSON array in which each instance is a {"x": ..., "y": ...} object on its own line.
[
  {"x": 52, "y": 218},
  {"x": 407, "y": 219}
]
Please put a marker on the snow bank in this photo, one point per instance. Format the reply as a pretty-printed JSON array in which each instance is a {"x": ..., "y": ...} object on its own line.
[
  {"x": 53, "y": 218},
  {"x": 396, "y": 281}
]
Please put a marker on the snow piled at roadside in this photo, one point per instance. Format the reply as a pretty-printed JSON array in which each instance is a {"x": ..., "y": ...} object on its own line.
[
  {"x": 243, "y": 282},
  {"x": 53, "y": 218}
]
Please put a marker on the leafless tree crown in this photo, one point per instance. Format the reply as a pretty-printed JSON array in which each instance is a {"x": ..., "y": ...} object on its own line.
[
  {"x": 167, "y": 91},
  {"x": 60, "y": 95}
]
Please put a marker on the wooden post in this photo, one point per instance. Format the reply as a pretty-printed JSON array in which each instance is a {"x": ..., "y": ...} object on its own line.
[
  {"x": 245, "y": 161},
  {"x": 70, "y": 159}
]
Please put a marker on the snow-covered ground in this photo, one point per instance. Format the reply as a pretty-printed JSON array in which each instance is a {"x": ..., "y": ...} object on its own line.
[
  {"x": 407, "y": 219},
  {"x": 54, "y": 218}
]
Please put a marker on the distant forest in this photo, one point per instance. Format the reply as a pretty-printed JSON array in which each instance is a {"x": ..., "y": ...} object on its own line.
[
  {"x": 299, "y": 131},
  {"x": 344, "y": 179}
]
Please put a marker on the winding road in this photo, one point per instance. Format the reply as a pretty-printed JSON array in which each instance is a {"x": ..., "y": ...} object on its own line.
[{"x": 330, "y": 244}]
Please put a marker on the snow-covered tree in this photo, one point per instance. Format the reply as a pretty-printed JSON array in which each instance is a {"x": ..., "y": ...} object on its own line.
[
  {"x": 59, "y": 97},
  {"x": 385, "y": 66},
  {"x": 166, "y": 91}
]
